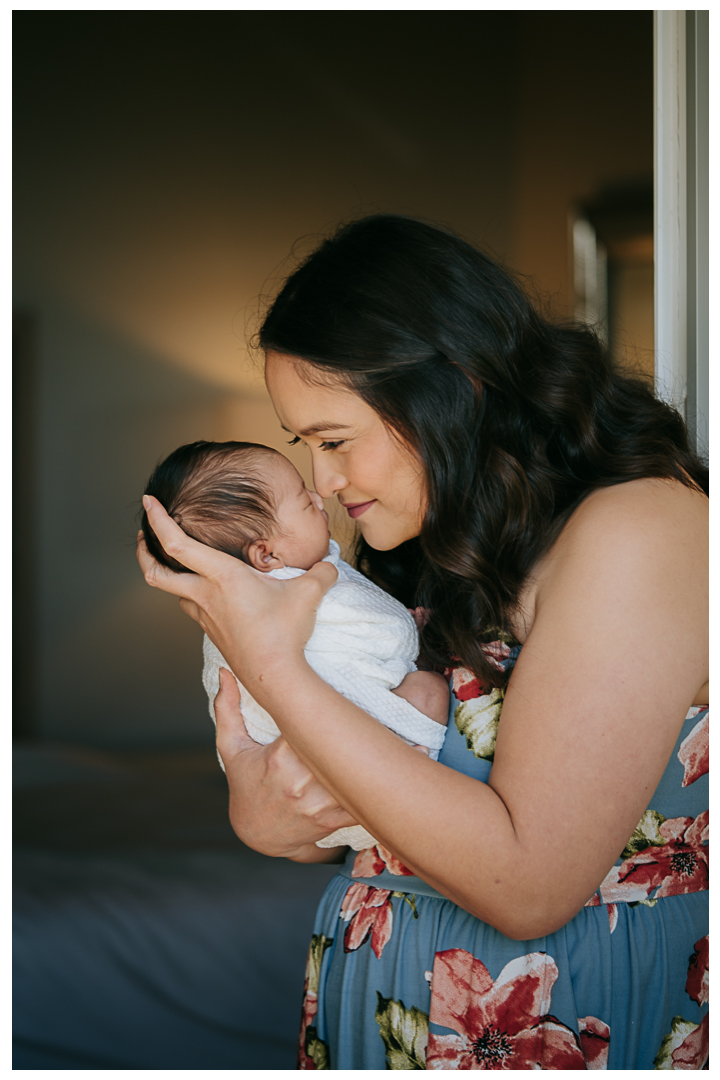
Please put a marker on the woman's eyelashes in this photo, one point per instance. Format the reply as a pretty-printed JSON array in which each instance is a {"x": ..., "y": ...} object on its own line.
[{"x": 325, "y": 445}]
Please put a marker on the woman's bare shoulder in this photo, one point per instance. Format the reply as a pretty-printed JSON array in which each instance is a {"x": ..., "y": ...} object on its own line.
[
  {"x": 651, "y": 531},
  {"x": 644, "y": 499},
  {"x": 649, "y": 514}
]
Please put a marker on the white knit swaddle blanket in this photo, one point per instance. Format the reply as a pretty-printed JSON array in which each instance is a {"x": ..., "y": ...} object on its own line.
[{"x": 364, "y": 644}]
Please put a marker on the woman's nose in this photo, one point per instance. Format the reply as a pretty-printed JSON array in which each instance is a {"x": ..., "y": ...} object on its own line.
[{"x": 328, "y": 480}]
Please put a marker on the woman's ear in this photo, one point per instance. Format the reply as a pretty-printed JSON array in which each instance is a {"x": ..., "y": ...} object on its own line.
[{"x": 261, "y": 557}]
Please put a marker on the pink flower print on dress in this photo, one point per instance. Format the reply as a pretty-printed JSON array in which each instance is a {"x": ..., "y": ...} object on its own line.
[
  {"x": 692, "y": 1053},
  {"x": 465, "y": 683},
  {"x": 369, "y": 913},
  {"x": 612, "y": 910},
  {"x": 676, "y": 865},
  {"x": 595, "y": 1041},
  {"x": 466, "y": 686},
  {"x": 685, "y": 1046},
  {"x": 372, "y": 861},
  {"x": 502, "y": 1023},
  {"x": 497, "y": 652},
  {"x": 697, "y": 985},
  {"x": 694, "y": 752}
]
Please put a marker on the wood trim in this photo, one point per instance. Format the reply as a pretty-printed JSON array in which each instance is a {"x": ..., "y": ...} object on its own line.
[{"x": 670, "y": 208}]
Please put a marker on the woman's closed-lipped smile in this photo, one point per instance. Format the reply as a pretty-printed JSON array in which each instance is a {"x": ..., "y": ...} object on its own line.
[{"x": 356, "y": 509}]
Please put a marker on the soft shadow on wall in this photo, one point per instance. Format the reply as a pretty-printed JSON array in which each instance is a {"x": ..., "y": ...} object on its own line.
[{"x": 165, "y": 164}]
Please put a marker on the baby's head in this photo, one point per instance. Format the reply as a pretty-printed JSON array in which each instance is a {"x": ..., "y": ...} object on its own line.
[{"x": 241, "y": 498}]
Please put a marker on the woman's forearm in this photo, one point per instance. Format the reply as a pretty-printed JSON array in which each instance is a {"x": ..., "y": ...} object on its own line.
[{"x": 455, "y": 832}]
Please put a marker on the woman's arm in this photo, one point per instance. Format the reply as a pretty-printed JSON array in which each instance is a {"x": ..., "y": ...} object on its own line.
[{"x": 613, "y": 660}]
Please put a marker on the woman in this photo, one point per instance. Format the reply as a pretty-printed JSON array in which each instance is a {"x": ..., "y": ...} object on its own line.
[{"x": 538, "y": 897}]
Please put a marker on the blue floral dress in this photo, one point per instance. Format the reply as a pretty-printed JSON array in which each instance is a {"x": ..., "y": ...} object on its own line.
[{"x": 399, "y": 977}]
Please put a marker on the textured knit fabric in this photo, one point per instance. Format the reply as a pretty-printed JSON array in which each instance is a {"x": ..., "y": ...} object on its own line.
[
  {"x": 364, "y": 644},
  {"x": 399, "y": 977}
]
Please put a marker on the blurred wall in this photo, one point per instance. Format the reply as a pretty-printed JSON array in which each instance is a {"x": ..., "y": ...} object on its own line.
[{"x": 166, "y": 163}]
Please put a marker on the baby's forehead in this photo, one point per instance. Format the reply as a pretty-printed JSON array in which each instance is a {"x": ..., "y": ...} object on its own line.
[{"x": 281, "y": 473}]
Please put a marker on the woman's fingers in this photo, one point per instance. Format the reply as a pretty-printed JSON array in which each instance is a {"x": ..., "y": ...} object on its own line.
[
  {"x": 420, "y": 615},
  {"x": 160, "y": 577},
  {"x": 276, "y": 804},
  {"x": 312, "y": 800},
  {"x": 199, "y": 557},
  {"x": 232, "y": 737}
]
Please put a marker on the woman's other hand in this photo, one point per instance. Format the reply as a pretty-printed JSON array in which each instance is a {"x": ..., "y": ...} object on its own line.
[
  {"x": 277, "y": 806},
  {"x": 420, "y": 616}
]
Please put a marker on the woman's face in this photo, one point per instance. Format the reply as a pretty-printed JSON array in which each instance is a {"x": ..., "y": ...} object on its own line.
[{"x": 354, "y": 455}]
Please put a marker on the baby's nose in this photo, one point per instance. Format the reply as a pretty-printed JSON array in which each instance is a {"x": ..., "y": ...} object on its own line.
[{"x": 320, "y": 503}]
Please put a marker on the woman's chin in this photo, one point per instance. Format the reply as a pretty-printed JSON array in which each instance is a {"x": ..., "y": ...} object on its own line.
[{"x": 385, "y": 539}]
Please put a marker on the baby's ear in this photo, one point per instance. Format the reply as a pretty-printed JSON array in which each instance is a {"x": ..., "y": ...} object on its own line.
[{"x": 261, "y": 557}]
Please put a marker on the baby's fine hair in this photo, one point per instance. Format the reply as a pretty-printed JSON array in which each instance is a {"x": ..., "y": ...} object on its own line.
[{"x": 217, "y": 494}]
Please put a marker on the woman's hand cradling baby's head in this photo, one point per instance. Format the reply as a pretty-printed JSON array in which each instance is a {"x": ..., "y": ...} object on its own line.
[{"x": 258, "y": 623}]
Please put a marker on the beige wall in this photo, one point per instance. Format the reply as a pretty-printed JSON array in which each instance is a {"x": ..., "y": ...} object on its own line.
[{"x": 166, "y": 163}]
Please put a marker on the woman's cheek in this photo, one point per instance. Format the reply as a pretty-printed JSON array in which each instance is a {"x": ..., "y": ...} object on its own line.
[{"x": 386, "y": 531}]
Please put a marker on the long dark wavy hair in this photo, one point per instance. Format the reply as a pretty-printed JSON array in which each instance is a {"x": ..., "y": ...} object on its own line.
[{"x": 515, "y": 418}]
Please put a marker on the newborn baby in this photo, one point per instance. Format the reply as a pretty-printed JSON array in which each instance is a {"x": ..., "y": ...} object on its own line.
[{"x": 250, "y": 502}]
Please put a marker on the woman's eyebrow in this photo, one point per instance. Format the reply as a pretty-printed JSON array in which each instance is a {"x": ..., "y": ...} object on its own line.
[{"x": 321, "y": 425}]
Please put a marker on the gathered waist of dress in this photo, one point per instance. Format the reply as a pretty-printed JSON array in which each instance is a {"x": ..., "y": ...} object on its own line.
[
  {"x": 406, "y": 883},
  {"x": 665, "y": 857},
  {"x": 643, "y": 889}
]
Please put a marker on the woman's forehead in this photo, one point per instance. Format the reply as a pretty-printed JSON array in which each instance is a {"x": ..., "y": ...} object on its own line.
[{"x": 304, "y": 404}]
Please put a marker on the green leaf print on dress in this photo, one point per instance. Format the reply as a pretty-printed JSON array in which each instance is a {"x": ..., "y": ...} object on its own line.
[
  {"x": 316, "y": 1049},
  {"x": 645, "y": 835},
  {"x": 404, "y": 1032},
  {"x": 313, "y": 1053},
  {"x": 478, "y": 721},
  {"x": 685, "y": 1046}
]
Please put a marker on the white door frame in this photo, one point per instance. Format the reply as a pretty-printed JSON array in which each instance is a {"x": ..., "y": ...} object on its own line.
[{"x": 681, "y": 216}]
